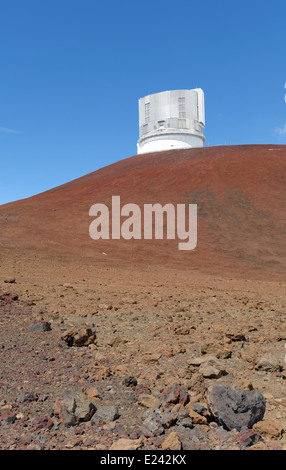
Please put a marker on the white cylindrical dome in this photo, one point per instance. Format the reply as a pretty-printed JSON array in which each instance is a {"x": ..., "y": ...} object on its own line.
[{"x": 171, "y": 120}]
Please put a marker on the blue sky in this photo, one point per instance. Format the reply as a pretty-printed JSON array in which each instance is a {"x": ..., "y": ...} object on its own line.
[{"x": 72, "y": 72}]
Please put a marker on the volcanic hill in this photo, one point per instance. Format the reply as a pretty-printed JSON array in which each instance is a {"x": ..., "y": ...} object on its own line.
[{"x": 240, "y": 193}]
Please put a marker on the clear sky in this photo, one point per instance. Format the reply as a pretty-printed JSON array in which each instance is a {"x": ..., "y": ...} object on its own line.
[{"x": 72, "y": 71}]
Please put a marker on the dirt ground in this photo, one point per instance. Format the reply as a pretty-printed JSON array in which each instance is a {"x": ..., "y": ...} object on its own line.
[{"x": 150, "y": 323}]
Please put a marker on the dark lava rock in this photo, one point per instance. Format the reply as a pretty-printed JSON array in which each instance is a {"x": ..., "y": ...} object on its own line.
[
  {"x": 236, "y": 409},
  {"x": 41, "y": 326}
]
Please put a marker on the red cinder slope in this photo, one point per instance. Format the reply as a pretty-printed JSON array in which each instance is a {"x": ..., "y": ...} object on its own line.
[{"x": 240, "y": 192}]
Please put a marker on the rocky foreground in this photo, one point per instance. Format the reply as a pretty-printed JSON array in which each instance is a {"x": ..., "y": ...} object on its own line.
[{"x": 107, "y": 359}]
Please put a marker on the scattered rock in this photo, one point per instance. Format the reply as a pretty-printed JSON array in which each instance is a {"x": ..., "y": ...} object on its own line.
[
  {"x": 149, "y": 401},
  {"x": 150, "y": 357},
  {"x": 200, "y": 409},
  {"x": 259, "y": 446},
  {"x": 33, "y": 447},
  {"x": 173, "y": 394},
  {"x": 191, "y": 439},
  {"x": 153, "y": 422},
  {"x": 40, "y": 326},
  {"x": 217, "y": 350},
  {"x": 235, "y": 335},
  {"x": 92, "y": 393},
  {"x": 73, "y": 407},
  {"x": 116, "y": 341},
  {"x": 248, "y": 437},
  {"x": 106, "y": 414},
  {"x": 181, "y": 330},
  {"x": 42, "y": 422},
  {"x": 79, "y": 337},
  {"x": 236, "y": 409},
  {"x": 196, "y": 361},
  {"x": 197, "y": 418},
  {"x": 139, "y": 431},
  {"x": 126, "y": 444},
  {"x": 244, "y": 384},
  {"x": 268, "y": 428},
  {"x": 28, "y": 397},
  {"x": 168, "y": 419},
  {"x": 212, "y": 369},
  {"x": 129, "y": 300},
  {"x": 129, "y": 380},
  {"x": 7, "y": 417},
  {"x": 172, "y": 442},
  {"x": 120, "y": 431},
  {"x": 269, "y": 363},
  {"x": 9, "y": 297},
  {"x": 105, "y": 306}
]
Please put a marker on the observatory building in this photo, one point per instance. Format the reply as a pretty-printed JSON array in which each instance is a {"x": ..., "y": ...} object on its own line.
[{"x": 171, "y": 120}]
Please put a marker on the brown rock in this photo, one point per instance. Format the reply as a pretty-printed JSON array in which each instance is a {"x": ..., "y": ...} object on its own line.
[
  {"x": 151, "y": 357},
  {"x": 79, "y": 336},
  {"x": 259, "y": 446},
  {"x": 105, "y": 306},
  {"x": 235, "y": 335},
  {"x": 172, "y": 442},
  {"x": 129, "y": 300},
  {"x": 196, "y": 418},
  {"x": 270, "y": 363},
  {"x": 126, "y": 444},
  {"x": 215, "y": 349},
  {"x": 92, "y": 393},
  {"x": 149, "y": 401},
  {"x": 182, "y": 330},
  {"x": 244, "y": 384},
  {"x": 116, "y": 341},
  {"x": 268, "y": 428},
  {"x": 212, "y": 369}
]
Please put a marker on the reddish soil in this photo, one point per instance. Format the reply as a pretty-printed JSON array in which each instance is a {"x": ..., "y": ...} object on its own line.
[
  {"x": 153, "y": 307},
  {"x": 240, "y": 192}
]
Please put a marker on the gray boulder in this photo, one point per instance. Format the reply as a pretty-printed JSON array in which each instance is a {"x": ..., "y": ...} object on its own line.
[
  {"x": 236, "y": 409},
  {"x": 40, "y": 326},
  {"x": 106, "y": 413},
  {"x": 153, "y": 422},
  {"x": 73, "y": 407}
]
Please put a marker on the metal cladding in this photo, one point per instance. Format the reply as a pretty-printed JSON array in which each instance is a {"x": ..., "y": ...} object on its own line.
[{"x": 171, "y": 120}]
